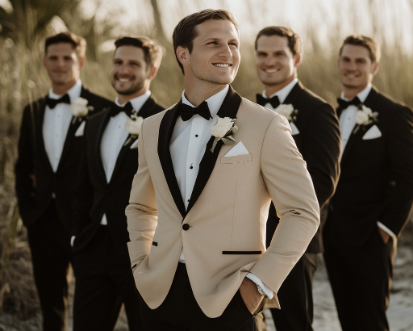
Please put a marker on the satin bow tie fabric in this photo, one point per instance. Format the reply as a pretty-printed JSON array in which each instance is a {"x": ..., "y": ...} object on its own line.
[
  {"x": 343, "y": 104},
  {"x": 274, "y": 101},
  {"x": 115, "y": 109},
  {"x": 53, "y": 102},
  {"x": 187, "y": 112}
]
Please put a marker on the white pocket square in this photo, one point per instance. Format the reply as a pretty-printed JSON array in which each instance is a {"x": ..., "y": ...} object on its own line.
[
  {"x": 372, "y": 133},
  {"x": 135, "y": 144},
  {"x": 238, "y": 149},
  {"x": 294, "y": 129},
  {"x": 80, "y": 130}
]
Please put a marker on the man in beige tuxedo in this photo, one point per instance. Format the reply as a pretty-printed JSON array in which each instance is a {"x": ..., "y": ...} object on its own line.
[{"x": 200, "y": 199}]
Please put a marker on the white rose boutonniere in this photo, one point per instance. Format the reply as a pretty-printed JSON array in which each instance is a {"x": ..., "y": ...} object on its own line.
[
  {"x": 288, "y": 112},
  {"x": 80, "y": 109},
  {"x": 365, "y": 116},
  {"x": 223, "y": 130},
  {"x": 133, "y": 126}
]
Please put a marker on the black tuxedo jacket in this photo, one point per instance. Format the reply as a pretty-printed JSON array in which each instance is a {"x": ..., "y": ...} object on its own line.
[
  {"x": 94, "y": 195},
  {"x": 376, "y": 182},
  {"x": 319, "y": 142},
  {"x": 35, "y": 180}
]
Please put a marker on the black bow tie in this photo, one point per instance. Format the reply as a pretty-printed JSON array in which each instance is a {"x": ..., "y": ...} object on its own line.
[
  {"x": 187, "y": 112},
  {"x": 274, "y": 101},
  {"x": 53, "y": 102},
  {"x": 115, "y": 109},
  {"x": 343, "y": 104}
]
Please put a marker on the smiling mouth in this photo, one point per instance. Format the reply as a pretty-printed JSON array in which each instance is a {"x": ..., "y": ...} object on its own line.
[
  {"x": 270, "y": 71},
  {"x": 124, "y": 80},
  {"x": 222, "y": 65},
  {"x": 351, "y": 75}
]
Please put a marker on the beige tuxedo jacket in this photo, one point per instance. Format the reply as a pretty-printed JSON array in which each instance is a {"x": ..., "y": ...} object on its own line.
[{"x": 222, "y": 232}]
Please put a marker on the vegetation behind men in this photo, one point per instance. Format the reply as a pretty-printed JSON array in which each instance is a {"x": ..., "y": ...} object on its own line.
[{"x": 48, "y": 159}]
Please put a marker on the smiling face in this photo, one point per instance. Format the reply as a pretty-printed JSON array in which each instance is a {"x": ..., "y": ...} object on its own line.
[
  {"x": 356, "y": 70},
  {"x": 215, "y": 55},
  {"x": 130, "y": 75},
  {"x": 275, "y": 63},
  {"x": 63, "y": 66}
]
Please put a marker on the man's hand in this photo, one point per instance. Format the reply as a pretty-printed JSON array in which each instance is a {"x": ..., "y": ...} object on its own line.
[
  {"x": 384, "y": 235},
  {"x": 250, "y": 295}
]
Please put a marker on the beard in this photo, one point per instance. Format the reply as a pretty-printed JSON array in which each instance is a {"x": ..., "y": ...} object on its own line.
[{"x": 135, "y": 87}]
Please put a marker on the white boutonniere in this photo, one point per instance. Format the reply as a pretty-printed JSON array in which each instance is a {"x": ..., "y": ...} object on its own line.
[
  {"x": 133, "y": 126},
  {"x": 288, "y": 112},
  {"x": 223, "y": 130},
  {"x": 364, "y": 117},
  {"x": 80, "y": 109}
]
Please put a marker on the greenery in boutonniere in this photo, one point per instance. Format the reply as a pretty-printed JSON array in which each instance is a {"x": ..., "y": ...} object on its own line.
[
  {"x": 288, "y": 111},
  {"x": 133, "y": 126},
  {"x": 364, "y": 117}
]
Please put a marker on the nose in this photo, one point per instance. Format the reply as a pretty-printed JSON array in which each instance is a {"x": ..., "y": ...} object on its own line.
[
  {"x": 270, "y": 61},
  {"x": 225, "y": 52}
]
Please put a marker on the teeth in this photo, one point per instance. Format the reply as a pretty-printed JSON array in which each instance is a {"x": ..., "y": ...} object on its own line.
[
  {"x": 222, "y": 65},
  {"x": 270, "y": 70},
  {"x": 123, "y": 80}
]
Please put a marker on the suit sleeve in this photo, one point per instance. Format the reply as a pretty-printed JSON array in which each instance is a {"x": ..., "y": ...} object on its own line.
[
  {"x": 289, "y": 185},
  {"x": 399, "y": 147},
  {"x": 25, "y": 168},
  {"x": 322, "y": 152},
  {"x": 83, "y": 199},
  {"x": 142, "y": 216}
]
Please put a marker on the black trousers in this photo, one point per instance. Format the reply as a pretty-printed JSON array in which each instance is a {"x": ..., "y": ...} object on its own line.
[
  {"x": 296, "y": 297},
  {"x": 104, "y": 282},
  {"x": 360, "y": 278},
  {"x": 51, "y": 257},
  {"x": 180, "y": 311}
]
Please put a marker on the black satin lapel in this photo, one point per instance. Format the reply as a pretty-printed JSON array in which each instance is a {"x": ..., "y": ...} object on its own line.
[
  {"x": 147, "y": 108},
  {"x": 38, "y": 114},
  {"x": 101, "y": 129},
  {"x": 370, "y": 100},
  {"x": 166, "y": 129},
  {"x": 294, "y": 93},
  {"x": 70, "y": 137},
  {"x": 229, "y": 108}
]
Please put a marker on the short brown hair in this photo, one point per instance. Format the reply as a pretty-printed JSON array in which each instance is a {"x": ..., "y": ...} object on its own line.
[
  {"x": 78, "y": 43},
  {"x": 185, "y": 32},
  {"x": 294, "y": 41},
  {"x": 366, "y": 42},
  {"x": 152, "y": 51}
]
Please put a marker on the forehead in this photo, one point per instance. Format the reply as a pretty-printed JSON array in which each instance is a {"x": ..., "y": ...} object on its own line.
[
  {"x": 61, "y": 49},
  {"x": 216, "y": 29},
  {"x": 129, "y": 53},
  {"x": 272, "y": 43},
  {"x": 355, "y": 51}
]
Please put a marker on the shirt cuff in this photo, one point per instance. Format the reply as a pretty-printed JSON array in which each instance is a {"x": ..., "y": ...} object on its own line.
[
  {"x": 385, "y": 228},
  {"x": 268, "y": 292},
  {"x": 72, "y": 240}
]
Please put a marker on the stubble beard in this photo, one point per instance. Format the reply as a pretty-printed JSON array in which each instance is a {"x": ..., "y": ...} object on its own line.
[{"x": 132, "y": 90}]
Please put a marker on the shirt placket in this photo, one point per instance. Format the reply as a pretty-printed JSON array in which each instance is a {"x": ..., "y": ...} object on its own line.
[
  {"x": 57, "y": 135},
  {"x": 192, "y": 164},
  {"x": 113, "y": 144}
]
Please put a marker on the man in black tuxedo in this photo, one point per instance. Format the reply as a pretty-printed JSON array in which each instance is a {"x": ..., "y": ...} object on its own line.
[
  {"x": 315, "y": 129},
  {"x": 48, "y": 158},
  {"x": 374, "y": 195},
  {"x": 103, "y": 276}
]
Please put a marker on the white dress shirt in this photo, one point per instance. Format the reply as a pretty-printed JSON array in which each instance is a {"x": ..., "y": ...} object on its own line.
[
  {"x": 347, "y": 124},
  {"x": 114, "y": 137},
  {"x": 56, "y": 123},
  {"x": 187, "y": 147},
  {"x": 281, "y": 94}
]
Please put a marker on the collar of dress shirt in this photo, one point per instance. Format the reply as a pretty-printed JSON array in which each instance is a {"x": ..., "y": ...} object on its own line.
[
  {"x": 214, "y": 102},
  {"x": 137, "y": 102},
  {"x": 73, "y": 93},
  {"x": 362, "y": 95},
  {"x": 283, "y": 93}
]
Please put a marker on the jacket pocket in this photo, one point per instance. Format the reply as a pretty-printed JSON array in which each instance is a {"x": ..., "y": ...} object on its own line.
[
  {"x": 236, "y": 159},
  {"x": 241, "y": 252}
]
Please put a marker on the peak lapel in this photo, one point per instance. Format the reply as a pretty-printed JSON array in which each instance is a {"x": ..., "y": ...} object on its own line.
[
  {"x": 229, "y": 108},
  {"x": 38, "y": 117},
  {"x": 105, "y": 113},
  {"x": 166, "y": 129},
  {"x": 294, "y": 94},
  {"x": 356, "y": 136}
]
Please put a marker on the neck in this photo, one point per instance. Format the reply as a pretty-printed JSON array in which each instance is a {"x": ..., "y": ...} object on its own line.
[
  {"x": 271, "y": 89},
  {"x": 61, "y": 89},
  {"x": 124, "y": 98},
  {"x": 196, "y": 94},
  {"x": 351, "y": 92}
]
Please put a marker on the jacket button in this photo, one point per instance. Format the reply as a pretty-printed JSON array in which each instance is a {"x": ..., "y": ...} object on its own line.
[{"x": 185, "y": 227}]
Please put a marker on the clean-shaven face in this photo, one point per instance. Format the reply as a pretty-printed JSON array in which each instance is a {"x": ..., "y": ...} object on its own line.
[
  {"x": 215, "y": 55},
  {"x": 356, "y": 70},
  {"x": 62, "y": 64},
  {"x": 275, "y": 63},
  {"x": 129, "y": 70}
]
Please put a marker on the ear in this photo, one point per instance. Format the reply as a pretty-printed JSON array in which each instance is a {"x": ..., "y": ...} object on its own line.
[
  {"x": 375, "y": 68},
  {"x": 152, "y": 73},
  {"x": 182, "y": 54},
  {"x": 82, "y": 62},
  {"x": 297, "y": 60}
]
